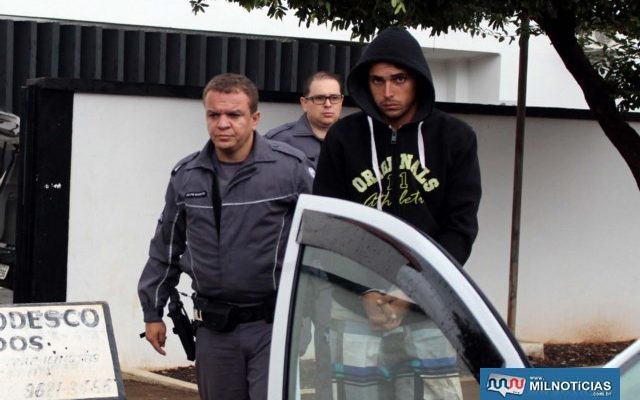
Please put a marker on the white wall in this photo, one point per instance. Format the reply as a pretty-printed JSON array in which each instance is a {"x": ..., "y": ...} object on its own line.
[
  {"x": 547, "y": 74},
  {"x": 484, "y": 80},
  {"x": 578, "y": 262},
  {"x": 578, "y": 250},
  {"x": 123, "y": 150},
  {"x": 581, "y": 209},
  {"x": 489, "y": 261}
]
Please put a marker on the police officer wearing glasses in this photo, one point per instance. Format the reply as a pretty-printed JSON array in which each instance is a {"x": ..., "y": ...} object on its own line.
[{"x": 322, "y": 103}]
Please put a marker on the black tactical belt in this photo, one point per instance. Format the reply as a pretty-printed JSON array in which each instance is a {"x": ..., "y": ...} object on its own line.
[{"x": 224, "y": 317}]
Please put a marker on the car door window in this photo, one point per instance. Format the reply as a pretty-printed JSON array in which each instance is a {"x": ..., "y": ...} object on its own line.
[{"x": 373, "y": 319}]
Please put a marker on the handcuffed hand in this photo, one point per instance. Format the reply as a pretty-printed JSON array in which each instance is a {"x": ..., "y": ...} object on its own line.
[{"x": 385, "y": 311}]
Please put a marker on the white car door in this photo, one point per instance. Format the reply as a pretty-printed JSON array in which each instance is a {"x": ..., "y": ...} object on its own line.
[{"x": 369, "y": 308}]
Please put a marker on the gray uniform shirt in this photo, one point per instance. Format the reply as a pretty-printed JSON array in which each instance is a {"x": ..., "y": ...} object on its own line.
[
  {"x": 299, "y": 135},
  {"x": 239, "y": 260}
]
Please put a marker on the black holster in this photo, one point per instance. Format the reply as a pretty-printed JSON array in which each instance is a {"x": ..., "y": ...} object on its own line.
[{"x": 182, "y": 325}]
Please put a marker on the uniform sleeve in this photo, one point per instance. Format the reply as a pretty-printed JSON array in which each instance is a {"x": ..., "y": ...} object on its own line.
[
  {"x": 330, "y": 171},
  {"x": 162, "y": 272},
  {"x": 460, "y": 227}
]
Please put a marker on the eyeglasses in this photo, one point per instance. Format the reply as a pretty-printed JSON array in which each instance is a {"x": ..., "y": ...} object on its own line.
[{"x": 321, "y": 99}]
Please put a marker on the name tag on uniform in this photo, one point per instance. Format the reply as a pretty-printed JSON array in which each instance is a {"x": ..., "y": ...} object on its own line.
[{"x": 192, "y": 195}]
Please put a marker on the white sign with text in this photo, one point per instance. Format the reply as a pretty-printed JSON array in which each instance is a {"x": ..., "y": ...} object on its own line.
[{"x": 58, "y": 351}]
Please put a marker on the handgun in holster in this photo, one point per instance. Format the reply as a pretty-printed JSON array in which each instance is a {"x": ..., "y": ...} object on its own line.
[{"x": 182, "y": 324}]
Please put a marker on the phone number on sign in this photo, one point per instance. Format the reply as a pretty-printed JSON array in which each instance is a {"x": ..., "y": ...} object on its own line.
[{"x": 44, "y": 390}]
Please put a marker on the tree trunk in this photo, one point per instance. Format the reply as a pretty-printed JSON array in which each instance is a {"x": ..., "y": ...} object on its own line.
[{"x": 559, "y": 29}]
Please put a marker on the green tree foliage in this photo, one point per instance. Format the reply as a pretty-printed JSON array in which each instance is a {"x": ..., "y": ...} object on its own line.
[{"x": 598, "y": 40}]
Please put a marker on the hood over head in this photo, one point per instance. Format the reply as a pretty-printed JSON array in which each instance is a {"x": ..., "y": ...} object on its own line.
[{"x": 396, "y": 46}]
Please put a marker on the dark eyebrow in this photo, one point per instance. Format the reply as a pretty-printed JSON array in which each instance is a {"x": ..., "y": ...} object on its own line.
[
  {"x": 394, "y": 76},
  {"x": 226, "y": 112}
]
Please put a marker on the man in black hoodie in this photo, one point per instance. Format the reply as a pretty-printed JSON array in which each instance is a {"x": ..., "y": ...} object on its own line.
[
  {"x": 403, "y": 156},
  {"x": 400, "y": 154}
]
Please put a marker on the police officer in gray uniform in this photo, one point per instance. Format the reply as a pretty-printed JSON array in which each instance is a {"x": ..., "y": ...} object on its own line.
[
  {"x": 226, "y": 219},
  {"x": 321, "y": 102}
]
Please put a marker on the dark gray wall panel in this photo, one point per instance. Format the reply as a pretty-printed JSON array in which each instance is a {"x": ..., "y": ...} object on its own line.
[
  {"x": 356, "y": 52},
  {"x": 155, "y": 70},
  {"x": 134, "y": 56},
  {"x": 48, "y": 45},
  {"x": 217, "y": 56},
  {"x": 42, "y": 255},
  {"x": 30, "y": 49},
  {"x": 24, "y": 55},
  {"x": 308, "y": 62},
  {"x": 237, "y": 60},
  {"x": 289, "y": 69},
  {"x": 91, "y": 52},
  {"x": 343, "y": 60},
  {"x": 255, "y": 62},
  {"x": 6, "y": 65},
  {"x": 176, "y": 57},
  {"x": 113, "y": 54},
  {"x": 196, "y": 60},
  {"x": 272, "y": 65},
  {"x": 70, "y": 50},
  {"x": 327, "y": 57}
]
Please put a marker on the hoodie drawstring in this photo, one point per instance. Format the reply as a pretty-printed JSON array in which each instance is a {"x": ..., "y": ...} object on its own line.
[
  {"x": 374, "y": 157},
  {"x": 421, "y": 145},
  {"x": 375, "y": 164}
]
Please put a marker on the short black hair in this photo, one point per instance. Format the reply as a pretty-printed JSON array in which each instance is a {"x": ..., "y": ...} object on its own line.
[{"x": 233, "y": 83}]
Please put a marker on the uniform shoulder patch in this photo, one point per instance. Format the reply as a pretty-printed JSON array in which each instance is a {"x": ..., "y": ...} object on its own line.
[
  {"x": 312, "y": 172},
  {"x": 287, "y": 149},
  {"x": 184, "y": 161}
]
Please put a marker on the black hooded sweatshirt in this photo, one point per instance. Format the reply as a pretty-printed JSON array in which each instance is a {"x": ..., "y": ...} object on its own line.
[{"x": 431, "y": 179}]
